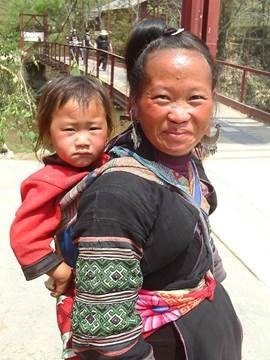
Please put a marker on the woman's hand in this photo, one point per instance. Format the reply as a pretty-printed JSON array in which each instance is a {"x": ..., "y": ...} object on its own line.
[{"x": 61, "y": 276}]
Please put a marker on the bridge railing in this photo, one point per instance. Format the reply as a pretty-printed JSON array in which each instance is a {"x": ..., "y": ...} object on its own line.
[
  {"x": 64, "y": 58},
  {"x": 245, "y": 89},
  {"x": 234, "y": 86}
]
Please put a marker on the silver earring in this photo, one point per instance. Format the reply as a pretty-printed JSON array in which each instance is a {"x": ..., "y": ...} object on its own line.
[
  {"x": 134, "y": 133},
  {"x": 208, "y": 144}
]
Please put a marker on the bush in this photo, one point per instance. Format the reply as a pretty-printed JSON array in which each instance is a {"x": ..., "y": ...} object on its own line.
[{"x": 17, "y": 104}]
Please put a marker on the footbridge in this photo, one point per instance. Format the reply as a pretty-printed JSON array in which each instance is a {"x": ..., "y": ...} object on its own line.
[
  {"x": 235, "y": 87},
  {"x": 59, "y": 57}
]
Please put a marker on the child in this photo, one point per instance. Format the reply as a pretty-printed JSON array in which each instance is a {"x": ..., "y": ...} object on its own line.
[{"x": 74, "y": 119}]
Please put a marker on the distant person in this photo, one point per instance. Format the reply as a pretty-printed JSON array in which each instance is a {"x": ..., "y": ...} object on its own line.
[
  {"x": 103, "y": 43},
  {"x": 74, "y": 118},
  {"x": 86, "y": 42},
  {"x": 74, "y": 45}
]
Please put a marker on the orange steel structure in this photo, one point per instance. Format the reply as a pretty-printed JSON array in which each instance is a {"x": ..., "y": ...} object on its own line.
[
  {"x": 32, "y": 22},
  {"x": 201, "y": 17},
  {"x": 198, "y": 16}
]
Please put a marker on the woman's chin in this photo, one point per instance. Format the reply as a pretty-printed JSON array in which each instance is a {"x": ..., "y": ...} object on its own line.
[{"x": 176, "y": 150}]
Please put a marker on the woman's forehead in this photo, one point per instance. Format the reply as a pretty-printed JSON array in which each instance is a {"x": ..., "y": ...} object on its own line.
[
  {"x": 175, "y": 55},
  {"x": 176, "y": 63}
]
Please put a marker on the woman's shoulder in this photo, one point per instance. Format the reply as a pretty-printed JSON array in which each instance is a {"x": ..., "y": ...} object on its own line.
[
  {"x": 121, "y": 203},
  {"x": 124, "y": 193},
  {"x": 125, "y": 183},
  {"x": 124, "y": 189}
]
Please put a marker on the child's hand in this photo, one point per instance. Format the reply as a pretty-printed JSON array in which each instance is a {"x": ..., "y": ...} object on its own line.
[
  {"x": 50, "y": 283},
  {"x": 61, "y": 275}
]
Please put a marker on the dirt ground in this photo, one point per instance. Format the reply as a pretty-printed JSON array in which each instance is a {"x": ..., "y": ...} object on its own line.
[{"x": 24, "y": 156}]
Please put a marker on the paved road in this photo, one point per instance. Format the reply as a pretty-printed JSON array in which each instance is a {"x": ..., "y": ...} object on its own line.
[
  {"x": 240, "y": 171},
  {"x": 27, "y": 319}
]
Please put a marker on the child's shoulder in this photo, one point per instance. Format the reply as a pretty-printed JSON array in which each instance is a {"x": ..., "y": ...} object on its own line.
[{"x": 56, "y": 175}]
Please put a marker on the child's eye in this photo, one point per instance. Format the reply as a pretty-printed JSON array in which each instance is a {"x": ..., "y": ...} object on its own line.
[
  {"x": 68, "y": 129},
  {"x": 162, "y": 97},
  {"x": 93, "y": 128}
]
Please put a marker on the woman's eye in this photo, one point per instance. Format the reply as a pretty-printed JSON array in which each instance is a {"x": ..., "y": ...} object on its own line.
[{"x": 197, "y": 97}]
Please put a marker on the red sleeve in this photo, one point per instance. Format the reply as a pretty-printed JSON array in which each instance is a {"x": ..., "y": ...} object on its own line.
[{"x": 36, "y": 220}]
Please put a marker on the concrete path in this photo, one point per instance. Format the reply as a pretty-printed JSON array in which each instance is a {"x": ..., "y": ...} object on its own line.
[
  {"x": 28, "y": 329},
  {"x": 240, "y": 172}
]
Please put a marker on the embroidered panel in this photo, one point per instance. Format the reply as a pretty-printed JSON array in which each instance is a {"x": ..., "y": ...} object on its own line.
[
  {"x": 100, "y": 320},
  {"x": 107, "y": 282},
  {"x": 101, "y": 276}
]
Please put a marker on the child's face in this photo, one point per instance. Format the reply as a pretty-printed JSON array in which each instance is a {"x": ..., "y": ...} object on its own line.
[{"x": 78, "y": 134}]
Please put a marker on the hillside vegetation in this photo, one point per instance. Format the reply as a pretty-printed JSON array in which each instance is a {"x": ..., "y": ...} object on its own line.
[{"x": 3, "y": 9}]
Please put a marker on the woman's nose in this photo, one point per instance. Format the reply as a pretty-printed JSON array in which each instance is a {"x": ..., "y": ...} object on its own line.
[{"x": 179, "y": 113}]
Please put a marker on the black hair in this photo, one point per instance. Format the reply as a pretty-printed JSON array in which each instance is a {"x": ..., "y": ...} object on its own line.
[{"x": 150, "y": 35}]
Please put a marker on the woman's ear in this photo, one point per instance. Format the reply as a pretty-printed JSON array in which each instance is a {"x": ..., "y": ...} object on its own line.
[
  {"x": 134, "y": 113},
  {"x": 133, "y": 109}
]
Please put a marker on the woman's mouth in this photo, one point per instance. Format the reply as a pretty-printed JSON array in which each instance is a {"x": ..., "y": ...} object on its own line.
[{"x": 177, "y": 132}]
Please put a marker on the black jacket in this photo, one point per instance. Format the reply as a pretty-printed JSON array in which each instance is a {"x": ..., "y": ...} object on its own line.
[{"x": 126, "y": 211}]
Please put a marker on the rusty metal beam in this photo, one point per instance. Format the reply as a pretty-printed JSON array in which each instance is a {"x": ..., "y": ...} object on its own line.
[
  {"x": 25, "y": 20},
  {"x": 46, "y": 33},
  {"x": 201, "y": 17},
  {"x": 21, "y": 24},
  {"x": 192, "y": 16},
  {"x": 211, "y": 24}
]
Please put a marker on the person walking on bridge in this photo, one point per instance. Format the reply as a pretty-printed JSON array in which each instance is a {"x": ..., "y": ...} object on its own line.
[
  {"x": 103, "y": 43},
  {"x": 74, "y": 45},
  {"x": 86, "y": 42}
]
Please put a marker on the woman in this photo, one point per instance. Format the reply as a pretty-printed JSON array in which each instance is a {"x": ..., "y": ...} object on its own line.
[{"x": 146, "y": 280}]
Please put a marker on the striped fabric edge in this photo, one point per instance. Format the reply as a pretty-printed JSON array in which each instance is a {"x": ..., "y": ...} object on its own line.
[
  {"x": 113, "y": 353},
  {"x": 108, "y": 340},
  {"x": 122, "y": 244},
  {"x": 119, "y": 296},
  {"x": 140, "y": 171},
  {"x": 116, "y": 254},
  {"x": 115, "y": 239}
]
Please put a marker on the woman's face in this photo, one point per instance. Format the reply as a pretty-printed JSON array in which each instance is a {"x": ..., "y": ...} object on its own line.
[{"x": 176, "y": 103}]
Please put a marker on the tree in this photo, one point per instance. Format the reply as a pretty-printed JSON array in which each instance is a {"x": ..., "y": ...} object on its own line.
[
  {"x": 244, "y": 32},
  {"x": 244, "y": 38},
  {"x": 17, "y": 105}
]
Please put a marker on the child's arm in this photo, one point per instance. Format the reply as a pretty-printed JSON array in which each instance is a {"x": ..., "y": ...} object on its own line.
[
  {"x": 38, "y": 218},
  {"x": 34, "y": 226}
]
